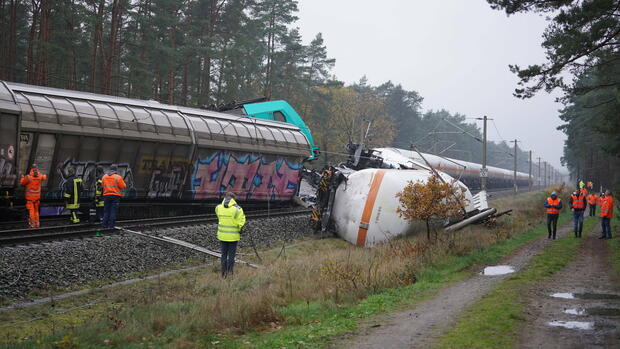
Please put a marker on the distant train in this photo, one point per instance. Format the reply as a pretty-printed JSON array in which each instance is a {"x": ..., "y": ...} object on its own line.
[
  {"x": 466, "y": 172},
  {"x": 165, "y": 153}
]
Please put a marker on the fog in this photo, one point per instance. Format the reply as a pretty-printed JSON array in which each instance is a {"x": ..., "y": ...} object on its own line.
[{"x": 455, "y": 53}]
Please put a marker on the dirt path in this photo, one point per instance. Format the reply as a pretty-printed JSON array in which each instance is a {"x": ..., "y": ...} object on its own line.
[
  {"x": 421, "y": 326},
  {"x": 590, "y": 273}
]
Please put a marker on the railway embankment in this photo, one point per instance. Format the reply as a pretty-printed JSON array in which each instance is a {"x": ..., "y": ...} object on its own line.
[
  {"x": 307, "y": 295},
  {"x": 48, "y": 268}
]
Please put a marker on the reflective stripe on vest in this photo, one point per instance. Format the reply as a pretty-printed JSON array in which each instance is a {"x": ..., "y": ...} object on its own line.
[
  {"x": 607, "y": 207},
  {"x": 110, "y": 185},
  {"x": 578, "y": 202},
  {"x": 98, "y": 193},
  {"x": 553, "y": 210},
  {"x": 75, "y": 203},
  {"x": 32, "y": 190},
  {"x": 227, "y": 230},
  {"x": 592, "y": 199}
]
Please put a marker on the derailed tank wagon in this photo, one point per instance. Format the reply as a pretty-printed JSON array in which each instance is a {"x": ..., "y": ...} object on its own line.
[{"x": 170, "y": 156}]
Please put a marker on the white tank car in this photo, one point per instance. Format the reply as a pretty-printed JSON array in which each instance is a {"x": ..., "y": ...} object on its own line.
[
  {"x": 364, "y": 211},
  {"x": 456, "y": 168}
]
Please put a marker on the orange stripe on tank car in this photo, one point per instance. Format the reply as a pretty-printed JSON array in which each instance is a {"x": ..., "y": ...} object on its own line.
[{"x": 370, "y": 204}]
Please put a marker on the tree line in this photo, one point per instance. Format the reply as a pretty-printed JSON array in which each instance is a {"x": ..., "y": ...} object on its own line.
[
  {"x": 209, "y": 52},
  {"x": 583, "y": 40}
]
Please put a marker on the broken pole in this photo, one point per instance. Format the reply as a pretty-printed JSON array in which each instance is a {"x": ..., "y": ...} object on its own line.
[{"x": 186, "y": 244}]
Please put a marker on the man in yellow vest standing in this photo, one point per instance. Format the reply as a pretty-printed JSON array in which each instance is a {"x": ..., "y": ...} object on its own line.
[{"x": 231, "y": 220}]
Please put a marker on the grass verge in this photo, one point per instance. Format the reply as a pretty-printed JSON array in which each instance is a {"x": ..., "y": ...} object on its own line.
[
  {"x": 496, "y": 319},
  {"x": 614, "y": 245}
]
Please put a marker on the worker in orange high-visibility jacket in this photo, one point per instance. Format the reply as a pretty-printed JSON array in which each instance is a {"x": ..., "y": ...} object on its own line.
[
  {"x": 32, "y": 184},
  {"x": 113, "y": 185},
  {"x": 553, "y": 205},
  {"x": 577, "y": 204},
  {"x": 607, "y": 213},
  {"x": 592, "y": 200}
]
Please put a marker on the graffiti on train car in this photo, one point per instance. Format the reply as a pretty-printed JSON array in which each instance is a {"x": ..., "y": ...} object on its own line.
[
  {"x": 167, "y": 175},
  {"x": 87, "y": 170},
  {"x": 254, "y": 176},
  {"x": 7, "y": 166}
]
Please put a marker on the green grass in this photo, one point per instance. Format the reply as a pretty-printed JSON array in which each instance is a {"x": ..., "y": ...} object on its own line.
[
  {"x": 614, "y": 245},
  {"x": 496, "y": 320},
  {"x": 314, "y": 325}
]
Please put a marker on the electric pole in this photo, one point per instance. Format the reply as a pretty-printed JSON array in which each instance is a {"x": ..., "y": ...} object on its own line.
[
  {"x": 539, "y": 171},
  {"x": 530, "y": 176},
  {"x": 514, "y": 188},
  {"x": 483, "y": 171},
  {"x": 545, "y": 174}
]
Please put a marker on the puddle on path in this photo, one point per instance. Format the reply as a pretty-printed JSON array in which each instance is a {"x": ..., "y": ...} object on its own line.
[
  {"x": 575, "y": 311},
  {"x": 586, "y": 295},
  {"x": 573, "y": 325},
  {"x": 498, "y": 270},
  {"x": 563, "y": 295}
]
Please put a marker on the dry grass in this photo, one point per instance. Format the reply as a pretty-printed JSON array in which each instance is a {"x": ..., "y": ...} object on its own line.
[{"x": 329, "y": 271}]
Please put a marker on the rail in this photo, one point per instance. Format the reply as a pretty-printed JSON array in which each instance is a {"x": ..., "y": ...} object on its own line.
[{"x": 54, "y": 233}]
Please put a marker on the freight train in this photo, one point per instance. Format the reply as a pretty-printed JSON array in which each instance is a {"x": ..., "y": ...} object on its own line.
[
  {"x": 466, "y": 172},
  {"x": 166, "y": 153}
]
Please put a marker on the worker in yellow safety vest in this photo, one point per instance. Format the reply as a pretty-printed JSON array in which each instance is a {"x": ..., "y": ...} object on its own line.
[
  {"x": 72, "y": 189},
  {"x": 231, "y": 220},
  {"x": 96, "y": 208}
]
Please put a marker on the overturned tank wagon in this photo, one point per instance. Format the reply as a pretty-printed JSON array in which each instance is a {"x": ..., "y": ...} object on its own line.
[
  {"x": 358, "y": 200},
  {"x": 365, "y": 206}
]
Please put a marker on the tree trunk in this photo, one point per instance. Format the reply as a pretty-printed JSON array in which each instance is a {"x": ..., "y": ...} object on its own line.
[
  {"x": 11, "y": 60},
  {"x": 97, "y": 38},
  {"x": 30, "y": 78},
  {"x": 42, "y": 44},
  {"x": 3, "y": 43},
  {"x": 428, "y": 230},
  {"x": 185, "y": 81},
  {"x": 108, "y": 59},
  {"x": 172, "y": 68}
]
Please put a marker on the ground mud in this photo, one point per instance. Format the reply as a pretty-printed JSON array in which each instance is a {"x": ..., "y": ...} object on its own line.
[
  {"x": 421, "y": 326},
  {"x": 592, "y": 292}
]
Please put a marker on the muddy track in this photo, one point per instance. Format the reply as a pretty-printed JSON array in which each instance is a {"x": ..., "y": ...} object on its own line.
[
  {"x": 421, "y": 326},
  {"x": 590, "y": 275}
]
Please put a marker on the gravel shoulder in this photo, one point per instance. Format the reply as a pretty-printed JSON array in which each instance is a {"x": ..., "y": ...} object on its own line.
[
  {"x": 53, "y": 267},
  {"x": 419, "y": 327},
  {"x": 590, "y": 272}
]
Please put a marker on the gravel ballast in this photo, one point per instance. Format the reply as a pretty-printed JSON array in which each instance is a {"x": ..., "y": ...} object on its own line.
[{"x": 74, "y": 262}]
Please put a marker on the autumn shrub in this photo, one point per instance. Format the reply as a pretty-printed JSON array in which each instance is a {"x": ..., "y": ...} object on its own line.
[{"x": 433, "y": 199}]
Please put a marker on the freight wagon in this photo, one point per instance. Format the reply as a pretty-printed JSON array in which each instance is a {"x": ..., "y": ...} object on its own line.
[{"x": 168, "y": 155}]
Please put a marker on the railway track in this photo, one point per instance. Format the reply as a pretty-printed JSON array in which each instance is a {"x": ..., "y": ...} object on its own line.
[{"x": 63, "y": 232}]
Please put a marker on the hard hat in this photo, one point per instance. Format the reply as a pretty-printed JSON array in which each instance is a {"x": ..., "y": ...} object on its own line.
[{"x": 554, "y": 193}]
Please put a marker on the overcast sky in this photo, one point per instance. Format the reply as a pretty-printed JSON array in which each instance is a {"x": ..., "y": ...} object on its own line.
[{"x": 455, "y": 53}]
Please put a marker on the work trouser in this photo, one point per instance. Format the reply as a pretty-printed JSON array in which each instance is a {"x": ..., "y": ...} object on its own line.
[
  {"x": 592, "y": 210},
  {"x": 228, "y": 250},
  {"x": 95, "y": 213},
  {"x": 578, "y": 222},
  {"x": 74, "y": 215},
  {"x": 33, "y": 213},
  {"x": 606, "y": 225},
  {"x": 110, "y": 208},
  {"x": 552, "y": 224}
]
